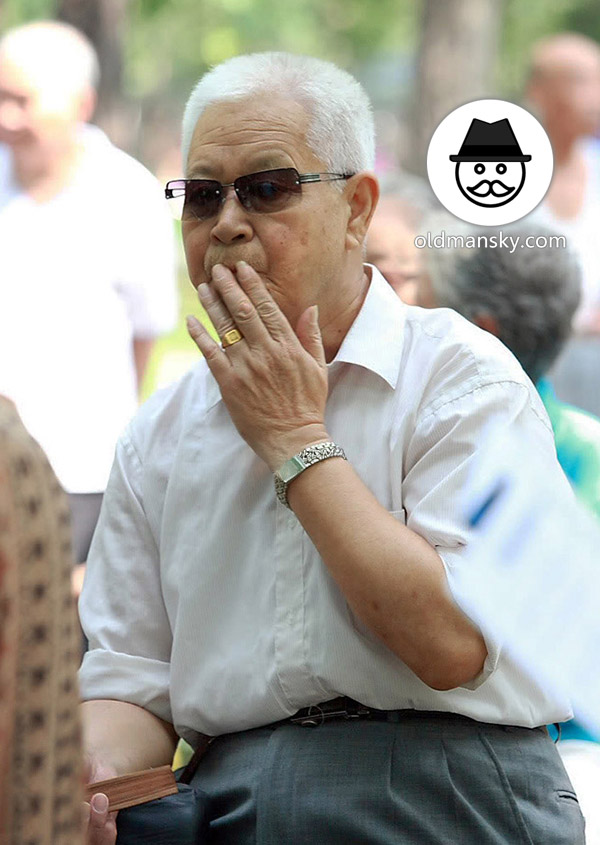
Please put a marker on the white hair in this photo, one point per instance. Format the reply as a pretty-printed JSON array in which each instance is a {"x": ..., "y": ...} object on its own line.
[
  {"x": 54, "y": 51},
  {"x": 341, "y": 130}
]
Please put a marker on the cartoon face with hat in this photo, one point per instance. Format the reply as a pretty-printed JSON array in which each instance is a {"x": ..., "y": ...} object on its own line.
[{"x": 490, "y": 167}]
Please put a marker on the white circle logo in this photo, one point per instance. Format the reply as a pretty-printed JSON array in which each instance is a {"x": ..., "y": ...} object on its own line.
[{"x": 489, "y": 162}]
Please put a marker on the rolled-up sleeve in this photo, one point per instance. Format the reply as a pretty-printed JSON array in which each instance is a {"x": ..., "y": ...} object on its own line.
[
  {"x": 121, "y": 606},
  {"x": 449, "y": 441}
]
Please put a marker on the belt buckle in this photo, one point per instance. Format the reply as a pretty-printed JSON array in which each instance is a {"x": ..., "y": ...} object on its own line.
[{"x": 317, "y": 718}]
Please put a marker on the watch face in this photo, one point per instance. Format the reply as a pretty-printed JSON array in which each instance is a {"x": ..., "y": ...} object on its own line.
[{"x": 291, "y": 469}]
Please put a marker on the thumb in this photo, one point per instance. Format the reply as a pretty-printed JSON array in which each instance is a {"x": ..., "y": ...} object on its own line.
[{"x": 309, "y": 334}]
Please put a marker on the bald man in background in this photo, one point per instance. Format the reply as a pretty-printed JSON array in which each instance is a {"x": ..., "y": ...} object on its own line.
[
  {"x": 564, "y": 91},
  {"x": 86, "y": 263},
  {"x": 404, "y": 201}
]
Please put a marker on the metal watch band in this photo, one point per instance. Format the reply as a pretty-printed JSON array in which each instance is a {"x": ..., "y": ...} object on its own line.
[{"x": 304, "y": 459}]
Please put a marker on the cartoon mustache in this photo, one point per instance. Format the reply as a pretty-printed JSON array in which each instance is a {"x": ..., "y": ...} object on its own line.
[{"x": 504, "y": 189}]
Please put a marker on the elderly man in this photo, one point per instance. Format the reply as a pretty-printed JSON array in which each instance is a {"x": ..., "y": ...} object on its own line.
[
  {"x": 86, "y": 262},
  {"x": 391, "y": 240},
  {"x": 564, "y": 89},
  {"x": 525, "y": 296},
  {"x": 276, "y": 548}
]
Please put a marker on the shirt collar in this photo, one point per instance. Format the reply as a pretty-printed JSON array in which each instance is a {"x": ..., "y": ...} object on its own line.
[{"x": 374, "y": 341}]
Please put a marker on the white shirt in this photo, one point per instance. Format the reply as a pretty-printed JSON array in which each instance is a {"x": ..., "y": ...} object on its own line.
[
  {"x": 581, "y": 233},
  {"x": 206, "y": 602},
  {"x": 81, "y": 276}
]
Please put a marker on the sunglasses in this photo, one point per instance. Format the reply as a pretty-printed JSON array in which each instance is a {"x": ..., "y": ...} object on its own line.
[{"x": 263, "y": 192}]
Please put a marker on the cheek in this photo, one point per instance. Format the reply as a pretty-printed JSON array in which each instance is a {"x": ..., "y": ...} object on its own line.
[
  {"x": 194, "y": 246},
  {"x": 293, "y": 245}
]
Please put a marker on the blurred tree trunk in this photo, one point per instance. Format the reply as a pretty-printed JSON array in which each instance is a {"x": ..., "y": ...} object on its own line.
[
  {"x": 456, "y": 64},
  {"x": 104, "y": 22}
]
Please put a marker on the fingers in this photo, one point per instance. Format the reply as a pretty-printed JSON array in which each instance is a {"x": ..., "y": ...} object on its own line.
[
  {"x": 243, "y": 300},
  {"x": 102, "y": 825},
  {"x": 216, "y": 310},
  {"x": 309, "y": 334},
  {"x": 228, "y": 307},
  {"x": 216, "y": 358},
  {"x": 266, "y": 307}
]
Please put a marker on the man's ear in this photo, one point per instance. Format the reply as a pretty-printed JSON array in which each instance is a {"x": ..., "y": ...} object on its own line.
[
  {"x": 362, "y": 194},
  {"x": 488, "y": 323},
  {"x": 87, "y": 104}
]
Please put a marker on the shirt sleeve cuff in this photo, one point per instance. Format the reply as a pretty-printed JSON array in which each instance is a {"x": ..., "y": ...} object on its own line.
[
  {"x": 126, "y": 677},
  {"x": 452, "y": 558}
]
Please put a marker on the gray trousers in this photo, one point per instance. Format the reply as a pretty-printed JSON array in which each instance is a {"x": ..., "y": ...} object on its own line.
[{"x": 418, "y": 782}]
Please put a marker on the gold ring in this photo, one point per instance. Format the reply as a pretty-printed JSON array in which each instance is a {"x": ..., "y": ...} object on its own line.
[{"x": 231, "y": 337}]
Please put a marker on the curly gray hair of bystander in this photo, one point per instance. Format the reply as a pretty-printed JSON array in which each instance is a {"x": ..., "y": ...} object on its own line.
[{"x": 528, "y": 292}]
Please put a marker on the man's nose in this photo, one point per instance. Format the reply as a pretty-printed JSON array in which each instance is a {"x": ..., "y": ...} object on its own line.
[{"x": 232, "y": 223}]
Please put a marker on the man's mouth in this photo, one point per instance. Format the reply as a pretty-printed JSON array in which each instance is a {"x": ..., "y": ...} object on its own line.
[{"x": 485, "y": 188}]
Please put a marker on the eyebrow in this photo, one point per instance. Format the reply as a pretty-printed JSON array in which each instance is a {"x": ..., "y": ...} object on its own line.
[{"x": 263, "y": 161}]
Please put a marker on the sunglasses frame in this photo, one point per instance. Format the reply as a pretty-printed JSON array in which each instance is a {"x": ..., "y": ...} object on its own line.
[{"x": 242, "y": 193}]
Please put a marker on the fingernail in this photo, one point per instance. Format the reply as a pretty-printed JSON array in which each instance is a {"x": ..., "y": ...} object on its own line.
[
  {"x": 243, "y": 270},
  {"x": 100, "y": 803},
  {"x": 315, "y": 313},
  {"x": 191, "y": 322},
  {"x": 203, "y": 290},
  {"x": 219, "y": 272}
]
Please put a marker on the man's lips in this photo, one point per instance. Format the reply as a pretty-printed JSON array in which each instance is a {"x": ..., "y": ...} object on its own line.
[{"x": 491, "y": 189}]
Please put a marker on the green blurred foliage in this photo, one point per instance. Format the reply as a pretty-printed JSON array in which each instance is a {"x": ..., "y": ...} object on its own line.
[
  {"x": 14, "y": 12},
  {"x": 171, "y": 42},
  {"x": 525, "y": 21},
  {"x": 585, "y": 18}
]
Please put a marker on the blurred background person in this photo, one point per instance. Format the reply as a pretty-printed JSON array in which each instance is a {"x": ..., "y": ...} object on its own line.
[
  {"x": 86, "y": 263},
  {"x": 40, "y": 744},
  {"x": 397, "y": 220},
  {"x": 527, "y": 299},
  {"x": 564, "y": 90}
]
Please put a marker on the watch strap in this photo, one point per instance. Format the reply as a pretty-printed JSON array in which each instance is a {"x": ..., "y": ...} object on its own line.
[{"x": 307, "y": 457}]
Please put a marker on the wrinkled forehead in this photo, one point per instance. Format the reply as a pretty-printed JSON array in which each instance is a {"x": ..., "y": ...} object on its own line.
[{"x": 269, "y": 130}]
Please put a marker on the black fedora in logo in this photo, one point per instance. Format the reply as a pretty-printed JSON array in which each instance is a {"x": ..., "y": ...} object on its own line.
[{"x": 490, "y": 142}]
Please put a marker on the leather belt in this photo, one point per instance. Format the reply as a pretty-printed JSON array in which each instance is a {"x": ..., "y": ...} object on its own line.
[
  {"x": 342, "y": 707},
  {"x": 347, "y": 708}
]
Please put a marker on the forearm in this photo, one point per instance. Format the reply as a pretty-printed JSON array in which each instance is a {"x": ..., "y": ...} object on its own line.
[
  {"x": 126, "y": 736},
  {"x": 393, "y": 580}
]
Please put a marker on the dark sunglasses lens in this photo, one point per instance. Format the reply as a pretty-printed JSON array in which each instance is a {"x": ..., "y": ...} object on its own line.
[
  {"x": 202, "y": 199},
  {"x": 270, "y": 190}
]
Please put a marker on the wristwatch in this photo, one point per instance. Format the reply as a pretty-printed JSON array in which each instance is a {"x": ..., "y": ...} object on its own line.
[{"x": 304, "y": 459}]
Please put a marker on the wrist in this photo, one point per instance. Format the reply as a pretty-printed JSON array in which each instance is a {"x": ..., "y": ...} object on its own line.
[
  {"x": 294, "y": 442},
  {"x": 299, "y": 463}
]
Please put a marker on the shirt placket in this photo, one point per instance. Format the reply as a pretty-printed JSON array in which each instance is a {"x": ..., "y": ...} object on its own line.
[{"x": 290, "y": 604}]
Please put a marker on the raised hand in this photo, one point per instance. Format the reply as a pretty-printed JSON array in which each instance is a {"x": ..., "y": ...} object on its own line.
[{"x": 272, "y": 379}]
